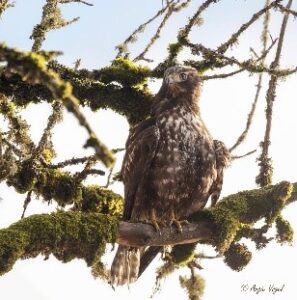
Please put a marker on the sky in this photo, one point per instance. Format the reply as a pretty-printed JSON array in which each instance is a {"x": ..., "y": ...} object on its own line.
[{"x": 224, "y": 108}]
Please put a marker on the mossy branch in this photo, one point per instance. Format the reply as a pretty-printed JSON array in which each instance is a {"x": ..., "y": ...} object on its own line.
[
  {"x": 32, "y": 68},
  {"x": 217, "y": 226},
  {"x": 84, "y": 235},
  {"x": 51, "y": 19},
  {"x": 66, "y": 235},
  {"x": 64, "y": 188}
]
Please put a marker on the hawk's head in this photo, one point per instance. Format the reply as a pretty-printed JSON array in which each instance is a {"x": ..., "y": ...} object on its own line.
[
  {"x": 181, "y": 81},
  {"x": 181, "y": 86}
]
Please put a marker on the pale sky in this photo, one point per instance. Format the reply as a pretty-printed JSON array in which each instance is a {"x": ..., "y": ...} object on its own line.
[{"x": 224, "y": 106}]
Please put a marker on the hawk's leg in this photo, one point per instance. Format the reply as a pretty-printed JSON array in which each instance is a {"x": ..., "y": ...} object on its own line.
[
  {"x": 176, "y": 222},
  {"x": 153, "y": 220}
]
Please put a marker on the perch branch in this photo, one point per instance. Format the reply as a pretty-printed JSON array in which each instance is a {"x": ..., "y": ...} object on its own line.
[{"x": 71, "y": 235}]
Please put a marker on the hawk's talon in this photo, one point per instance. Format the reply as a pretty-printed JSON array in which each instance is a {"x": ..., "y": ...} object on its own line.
[
  {"x": 177, "y": 223},
  {"x": 153, "y": 221}
]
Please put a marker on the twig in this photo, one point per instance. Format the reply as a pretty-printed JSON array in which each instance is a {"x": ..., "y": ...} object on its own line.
[
  {"x": 266, "y": 170},
  {"x": 221, "y": 76},
  {"x": 259, "y": 58},
  {"x": 223, "y": 48},
  {"x": 53, "y": 119},
  {"x": 26, "y": 203},
  {"x": 77, "y": 64},
  {"x": 184, "y": 33},
  {"x": 174, "y": 7},
  {"x": 132, "y": 38},
  {"x": 248, "y": 65},
  {"x": 51, "y": 19},
  {"x": 244, "y": 155},
  {"x": 72, "y": 161},
  {"x": 17, "y": 151},
  {"x": 265, "y": 51},
  {"x": 79, "y": 1},
  {"x": 116, "y": 150},
  {"x": 286, "y": 10},
  {"x": 203, "y": 256},
  {"x": 108, "y": 182}
]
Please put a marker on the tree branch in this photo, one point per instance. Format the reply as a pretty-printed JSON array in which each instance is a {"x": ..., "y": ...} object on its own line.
[
  {"x": 83, "y": 235},
  {"x": 32, "y": 68}
]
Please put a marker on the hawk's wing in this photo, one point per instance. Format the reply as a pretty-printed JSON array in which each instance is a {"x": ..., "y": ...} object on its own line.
[
  {"x": 222, "y": 161},
  {"x": 140, "y": 151}
]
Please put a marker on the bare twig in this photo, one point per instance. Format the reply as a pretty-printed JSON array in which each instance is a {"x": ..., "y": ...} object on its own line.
[
  {"x": 174, "y": 7},
  {"x": 221, "y": 76},
  {"x": 123, "y": 47},
  {"x": 286, "y": 10},
  {"x": 79, "y": 1},
  {"x": 266, "y": 170},
  {"x": 244, "y": 155},
  {"x": 265, "y": 50},
  {"x": 108, "y": 182},
  {"x": 184, "y": 33},
  {"x": 233, "y": 39}
]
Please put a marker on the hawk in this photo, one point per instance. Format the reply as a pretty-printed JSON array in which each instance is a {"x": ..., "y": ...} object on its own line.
[{"x": 171, "y": 165}]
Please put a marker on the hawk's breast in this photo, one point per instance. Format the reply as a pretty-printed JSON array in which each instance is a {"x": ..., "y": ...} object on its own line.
[{"x": 184, "y": 155}]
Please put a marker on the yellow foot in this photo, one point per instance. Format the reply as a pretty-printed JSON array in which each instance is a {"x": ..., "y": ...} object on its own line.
[
  {"x": 177, "y": 223},
  {"x": 152, "y": 220}
]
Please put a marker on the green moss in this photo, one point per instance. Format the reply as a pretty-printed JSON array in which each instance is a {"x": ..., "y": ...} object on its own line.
[
  {"x": 67, "y": 235},
  {"x": 182, "y": 254},
  {"x": 12, "y": 243},
  {"x": 123, "y": 71},
  {"x": 285, "y": 232},
  {"x": 237, "y": 256},
  {"x": 248, "y": 207},
  {"x": 66, "y": 190},
  {"x": 25, "y": 177},
  {"x": 37, "y": 59},
  {"x": 98, "y": 199},
  {"x": 48, "y": 154},
  {"x": 194, "y": 285}
]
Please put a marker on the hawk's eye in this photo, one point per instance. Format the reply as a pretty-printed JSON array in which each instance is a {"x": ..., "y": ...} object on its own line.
[{"x": 183, "y": 76}]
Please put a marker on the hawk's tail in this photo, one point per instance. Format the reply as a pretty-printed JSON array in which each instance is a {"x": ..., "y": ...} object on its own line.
[{"x": 125, "y": 266}]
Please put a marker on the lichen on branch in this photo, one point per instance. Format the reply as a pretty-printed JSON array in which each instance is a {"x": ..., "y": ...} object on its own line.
[
  {"x": 32, "y": 68},
  {"x": 66, "y": 235}
]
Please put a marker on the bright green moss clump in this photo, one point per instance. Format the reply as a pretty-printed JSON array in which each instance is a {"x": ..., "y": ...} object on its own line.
[
  {"x": 98, "y": 199},
  {"x": 67, "y": 235},
  {"x": 123, "y": 71},
  {"x": 248, "y": 207}
]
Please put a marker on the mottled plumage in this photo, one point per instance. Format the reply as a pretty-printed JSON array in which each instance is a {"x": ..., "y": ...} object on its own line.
[{"x": 171, "y": 166}]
